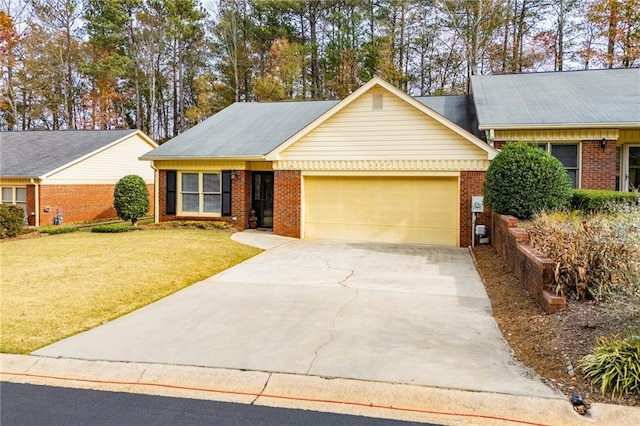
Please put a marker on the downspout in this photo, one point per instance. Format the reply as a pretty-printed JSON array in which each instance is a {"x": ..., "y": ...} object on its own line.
[{"x": 36, "y": 190}]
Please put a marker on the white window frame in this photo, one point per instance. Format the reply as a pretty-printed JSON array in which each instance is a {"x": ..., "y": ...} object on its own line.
[
  {"x": 200, "y": 193},
  {"x": 578, "y": 167},
  {"x": 14, "y": 196}
]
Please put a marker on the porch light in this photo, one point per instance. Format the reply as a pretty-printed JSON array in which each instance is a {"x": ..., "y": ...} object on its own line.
[
  {"x": 233, "y": 175},
  {"x": 603, "y": 144}
]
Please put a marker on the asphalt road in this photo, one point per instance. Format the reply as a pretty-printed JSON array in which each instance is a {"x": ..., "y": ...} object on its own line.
[{"x": 23, "y": 404}]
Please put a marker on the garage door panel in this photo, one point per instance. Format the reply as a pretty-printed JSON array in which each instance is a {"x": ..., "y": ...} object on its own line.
[{"x": 389, "y": 209}]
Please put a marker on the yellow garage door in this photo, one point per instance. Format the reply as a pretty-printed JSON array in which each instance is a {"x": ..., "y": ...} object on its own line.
[{"x": 387, "y": 209}]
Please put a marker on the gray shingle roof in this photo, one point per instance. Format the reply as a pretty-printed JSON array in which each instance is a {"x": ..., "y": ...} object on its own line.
[
  {"x": 36, "y": 153},
  {"x": 569, "y": 98},
  {"x": 242, "y": 130},
  {"x": 459, "y": 109},
  {"x": 254, "y": 129}
]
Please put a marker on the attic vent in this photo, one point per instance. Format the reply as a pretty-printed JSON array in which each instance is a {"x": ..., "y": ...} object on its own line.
[{"x": 377, "y": 102}]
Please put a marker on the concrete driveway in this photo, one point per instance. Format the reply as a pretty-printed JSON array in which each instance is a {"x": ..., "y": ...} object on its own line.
[{"x": 381, "y": 312}]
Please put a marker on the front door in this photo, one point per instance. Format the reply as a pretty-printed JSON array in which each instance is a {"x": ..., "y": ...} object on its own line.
[
  {"x": 632, "y": 177},
  {"x": 262, "y": 198}
]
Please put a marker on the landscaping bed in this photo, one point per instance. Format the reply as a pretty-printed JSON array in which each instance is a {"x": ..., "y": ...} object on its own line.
[{"x": 546, "y": 342}]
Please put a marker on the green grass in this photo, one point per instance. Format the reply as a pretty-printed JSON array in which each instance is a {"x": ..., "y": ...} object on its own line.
[{"x": 53, "y": 287}]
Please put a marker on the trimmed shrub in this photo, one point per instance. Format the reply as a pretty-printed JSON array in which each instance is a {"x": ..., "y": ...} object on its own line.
[
  {"x": 592, "y": 200},
  {"x": 112, "y": 228},
  {"x": 131, "y": 198},
  {"x": 11, "y": 220},
  {"x": 524, "y": 179},
  {"x": 55, "y": 230},
  {"x": 614, "y": 366}
]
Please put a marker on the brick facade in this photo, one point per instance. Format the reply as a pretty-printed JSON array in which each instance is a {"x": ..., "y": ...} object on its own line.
[
  {"x": 240, "y": 202},
  {"x": 76, "y": 203},
  {"x": 471, "y": 184},
  {"x": 598, "y": 168},
  {"x": 287, "y": 203}
]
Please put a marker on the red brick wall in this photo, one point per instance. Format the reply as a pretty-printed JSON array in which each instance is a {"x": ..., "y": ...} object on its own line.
[
  {"x": 79, "y": 203},
  {"x": 287, "y": 203},
  {"x": 240, "y": 201},
  {"x": 470, "y": 185},
  {"x": 535, "y": 271},
  {"x": 598, "y": 166}
]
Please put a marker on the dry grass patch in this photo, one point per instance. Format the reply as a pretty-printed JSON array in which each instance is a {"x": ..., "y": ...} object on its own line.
[{"x": 56, "y": 286}]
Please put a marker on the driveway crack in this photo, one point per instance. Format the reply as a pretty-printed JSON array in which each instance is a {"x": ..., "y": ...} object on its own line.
[
  {"x": 342, "y": 283},
  {"x": 333, "y": 325}
]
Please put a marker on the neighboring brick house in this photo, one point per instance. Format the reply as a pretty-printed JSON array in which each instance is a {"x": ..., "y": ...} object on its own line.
[
  {"x": 589, "y": 120},
  {"x": 380, "y": 165},
  {"x": 70, "y": 175}
]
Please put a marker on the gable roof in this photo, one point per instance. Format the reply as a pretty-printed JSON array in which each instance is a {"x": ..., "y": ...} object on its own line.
[
  {"x": 254, "y": 129},
  {"x": 243, "y": 129},
  {"x": 376, "y": 81},
  {"x": 566, "y": 99},
  {"x": 36, "y": 154}
]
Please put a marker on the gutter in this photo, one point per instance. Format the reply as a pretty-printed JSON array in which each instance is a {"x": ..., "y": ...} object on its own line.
[
  {"x": 210, "y": 158},
  {"x": 560, "y": 126}
]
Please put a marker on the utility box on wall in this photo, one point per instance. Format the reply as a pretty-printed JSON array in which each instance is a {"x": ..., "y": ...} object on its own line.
[{"x": 477, "y": 204}]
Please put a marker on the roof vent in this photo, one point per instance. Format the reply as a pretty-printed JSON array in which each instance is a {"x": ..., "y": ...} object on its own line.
[{"x": 377, "y": 102}]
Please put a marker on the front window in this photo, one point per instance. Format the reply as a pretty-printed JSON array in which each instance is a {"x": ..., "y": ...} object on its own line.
[
  {"x": 568, "y": 154},
  {"x": 200, "y": 193},
  {"x": 14, "y": 195}
]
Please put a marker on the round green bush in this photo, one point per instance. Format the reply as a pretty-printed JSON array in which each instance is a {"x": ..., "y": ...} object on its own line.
[
  {"x": 131, "y": 198},
  {"x": 524, "y": 179},
  {"x": 11, "y": 220}
]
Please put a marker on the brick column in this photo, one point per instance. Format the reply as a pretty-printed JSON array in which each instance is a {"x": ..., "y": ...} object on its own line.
[
  {"x": 598, "y": 168},
  {"x": 241, "y": 199},
  {"x": 471, "y": 183},
  {"x": 287, "y": 203}
]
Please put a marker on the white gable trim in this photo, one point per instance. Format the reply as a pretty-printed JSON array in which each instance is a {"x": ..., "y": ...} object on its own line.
[{"x": 274, "y": 155}]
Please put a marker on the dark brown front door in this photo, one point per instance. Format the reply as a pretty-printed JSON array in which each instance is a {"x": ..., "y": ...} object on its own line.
[{"x": 262, "y": 198}]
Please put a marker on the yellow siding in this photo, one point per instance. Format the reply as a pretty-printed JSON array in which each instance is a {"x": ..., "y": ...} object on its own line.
[
  {"x": 398, "y": 131},
  {"x": 201, "y": 165},
  {"x": 629, "y": 136},
  {"x": 549, "y": 135},
  {"x": 388, "y": 209},
  {"x": 15, "y": 182},
  {"x": 109, "y": 165}
]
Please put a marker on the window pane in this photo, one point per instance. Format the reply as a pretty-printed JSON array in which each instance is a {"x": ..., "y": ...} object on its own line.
[
  {"x": 7, "y": 195},
  {"x": 21, "y": 195},
  {"x": 573, "y": 176},
  {"x": 212, "y": 203},
  {"x": 190, "y": 182},
  {"x": 190, "y": 202},
  {"x": 567, "y": 154},
  {"x": 211, "y": 182}
]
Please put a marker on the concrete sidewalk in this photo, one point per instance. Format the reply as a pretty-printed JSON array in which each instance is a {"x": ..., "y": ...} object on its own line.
[
  {"x": 393, "y": 313},
  {"x": 363, "y": 398}
]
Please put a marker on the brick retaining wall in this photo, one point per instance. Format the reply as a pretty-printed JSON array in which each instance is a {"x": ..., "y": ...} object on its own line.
[{"x": 535, "y": 271}]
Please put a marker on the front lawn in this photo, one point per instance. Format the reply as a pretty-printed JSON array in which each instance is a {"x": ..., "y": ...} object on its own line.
[{"x": 56, "y": 286}]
